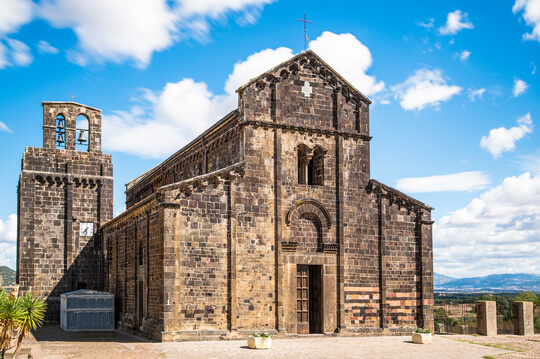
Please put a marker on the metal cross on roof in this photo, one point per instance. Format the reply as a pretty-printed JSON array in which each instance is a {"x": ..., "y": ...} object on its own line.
[
  {"x": 305, "y": 21},
  {"x": 306, "y": 89},
  {"x": 72, "y": 97}
]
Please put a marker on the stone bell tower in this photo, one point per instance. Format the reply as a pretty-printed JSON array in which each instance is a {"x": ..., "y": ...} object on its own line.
[{"x": 65, "y": 193}]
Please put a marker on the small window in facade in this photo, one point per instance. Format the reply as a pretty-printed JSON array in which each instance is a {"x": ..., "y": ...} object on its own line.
[{"x": 310, "y": 166}]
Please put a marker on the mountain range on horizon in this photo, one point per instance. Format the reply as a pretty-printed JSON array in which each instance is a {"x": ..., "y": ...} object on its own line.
[
  {"x": 517, "y": 282},
  {"x": 507, "y": 282}
]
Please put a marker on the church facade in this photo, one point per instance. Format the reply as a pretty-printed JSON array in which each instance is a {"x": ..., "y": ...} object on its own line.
[{"x": 269, "y": 220}]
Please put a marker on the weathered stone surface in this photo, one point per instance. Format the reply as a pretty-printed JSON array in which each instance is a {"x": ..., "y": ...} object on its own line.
[
  {"x": 486, "y": 314},
  {"x": 523, "y": 316},
  {"x": 60, "y": 188}
]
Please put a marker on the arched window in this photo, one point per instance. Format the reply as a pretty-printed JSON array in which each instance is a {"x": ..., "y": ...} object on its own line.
[
  {"x": 317, "y": 167},
  {"x": 303, "y": 162},
  {"x": 81, "y": 133},
  {"x": 310, "y": 166},
  {"x": 60, "y": 131}
]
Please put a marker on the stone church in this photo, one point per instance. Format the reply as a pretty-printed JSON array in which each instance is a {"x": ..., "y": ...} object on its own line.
[{"x": 268, "y": 220}]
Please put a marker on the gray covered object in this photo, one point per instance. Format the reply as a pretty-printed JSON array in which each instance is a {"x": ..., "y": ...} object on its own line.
[{"x": 87, "y": 309}]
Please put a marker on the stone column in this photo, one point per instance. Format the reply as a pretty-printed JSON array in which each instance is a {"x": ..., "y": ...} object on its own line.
[
  {"x": 523, "y": 316},
  {"x": 486, "y": 314}
]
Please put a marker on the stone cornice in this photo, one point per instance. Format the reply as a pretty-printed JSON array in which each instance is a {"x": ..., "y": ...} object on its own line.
[
  {"x": 311, "y": 130},
  {"x": 396, "y": 196}
]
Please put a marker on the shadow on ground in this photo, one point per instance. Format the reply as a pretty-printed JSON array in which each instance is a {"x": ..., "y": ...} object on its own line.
[{"x": 54, "y": 333}]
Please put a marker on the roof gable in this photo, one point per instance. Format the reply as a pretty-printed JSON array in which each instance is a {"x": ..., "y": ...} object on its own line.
[{"x": 309, "y": 59}]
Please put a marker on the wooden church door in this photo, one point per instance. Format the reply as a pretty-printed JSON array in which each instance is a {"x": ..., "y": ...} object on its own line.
[{"x": 308, "y": 299}]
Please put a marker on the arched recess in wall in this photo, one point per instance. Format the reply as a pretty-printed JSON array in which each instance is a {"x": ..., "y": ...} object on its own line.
[
  {"x": 309, "y": 218},
  {"x": 60, "y": 131},
  {"x": 82, "y": 133}
]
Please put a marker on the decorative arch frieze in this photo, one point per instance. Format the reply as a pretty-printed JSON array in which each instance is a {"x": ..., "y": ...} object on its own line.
[{"x": 309, "y": 206}]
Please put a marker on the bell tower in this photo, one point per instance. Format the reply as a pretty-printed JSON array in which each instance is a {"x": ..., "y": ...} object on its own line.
[{"x": 65, "y": 193}]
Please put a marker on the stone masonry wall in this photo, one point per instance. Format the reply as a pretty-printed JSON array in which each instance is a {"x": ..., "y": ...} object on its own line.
[{"x": 134, "y": 258}]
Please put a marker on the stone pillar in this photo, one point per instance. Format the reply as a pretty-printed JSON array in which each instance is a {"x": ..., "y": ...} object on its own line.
[
  {"x": 486, "y": 315},
  {"x": 523, "y": 315}
]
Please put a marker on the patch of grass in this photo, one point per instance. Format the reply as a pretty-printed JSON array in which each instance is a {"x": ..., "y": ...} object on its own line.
[
  {"x": 498, "y": 346},
  {"x": 488, "y": 357}
]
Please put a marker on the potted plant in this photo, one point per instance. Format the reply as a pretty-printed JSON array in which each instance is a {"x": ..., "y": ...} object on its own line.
[
  {"x": 422, "y": 336},
  {"x": 261, "y": 340}
]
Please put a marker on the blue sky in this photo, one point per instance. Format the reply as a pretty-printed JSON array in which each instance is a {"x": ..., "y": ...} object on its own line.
[{"x": 454, "y": 89}]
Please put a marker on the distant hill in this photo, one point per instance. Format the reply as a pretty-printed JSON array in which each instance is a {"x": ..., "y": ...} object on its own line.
[
  {"x": 492, "y": 283},
  {"x": 439, "y": 279},
  {"x": 8, "y": 276}
]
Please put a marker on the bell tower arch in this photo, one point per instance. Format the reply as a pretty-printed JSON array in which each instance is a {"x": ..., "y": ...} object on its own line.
[{"x": 64, "y": 127}]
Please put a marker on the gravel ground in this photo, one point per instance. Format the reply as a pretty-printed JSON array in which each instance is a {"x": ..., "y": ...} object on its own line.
[
  {"x": 524, "y": 346},
  {"x": 51, "y": 342}
]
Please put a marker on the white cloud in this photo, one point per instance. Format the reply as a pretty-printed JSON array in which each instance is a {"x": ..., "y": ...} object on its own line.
[
  {"x": 531, "y": 15},
  {"x": 20, "y": 53},
  {"x": 424, "y": 88},
  {"x": 45, "y": 48},
  {"x": 476, "y": 94},
  {"x": 520, "y": 87},
  {"x": 8, "y": 241},
  {"x": 215, "y": 8},
  {"x": 183, "y": 110},
  {"x": 3, "y": 127},
  {"x": 161, "y": 123},
  {"x": 464, "y": 55},
  {"x": 428, "y": 24},
  {"x": 255, "y": 65},
  {"x": 496, "y": 233},
  {"x": 114, "y": 31},
  {"x": 455, "y": 22},
  {"x": 353, "y": 67},
  {"x": 503, "y": 139},
  {"x": 134, "y": 29},
  {"x": 14, "y": 14},
  {"x": 456, "y": 182}
]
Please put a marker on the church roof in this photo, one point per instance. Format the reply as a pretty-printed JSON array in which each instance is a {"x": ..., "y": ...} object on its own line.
[{"x": 310, "y": 55}]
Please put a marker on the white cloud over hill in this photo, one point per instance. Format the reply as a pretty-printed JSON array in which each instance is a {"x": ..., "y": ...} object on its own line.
[
  {"x": 8, "y": 241},
  {"x": 496, "y": 233}
]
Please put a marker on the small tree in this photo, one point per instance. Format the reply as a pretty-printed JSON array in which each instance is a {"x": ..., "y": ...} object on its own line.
[
  {"x": 19, "y": 315},
  {"x": 527, "y": 296},
  {"x": 440, "y": 313}
]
